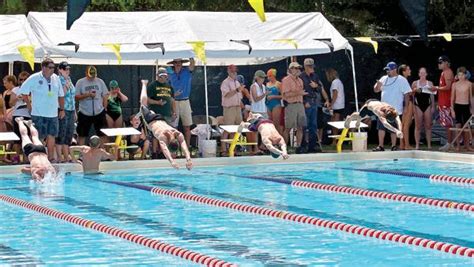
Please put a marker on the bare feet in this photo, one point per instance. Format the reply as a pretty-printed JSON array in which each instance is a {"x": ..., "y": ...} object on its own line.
[{"x": 409, "y": 148}]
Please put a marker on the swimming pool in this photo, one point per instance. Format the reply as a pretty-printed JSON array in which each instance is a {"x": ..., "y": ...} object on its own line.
[{"x": 231, "y": 213}]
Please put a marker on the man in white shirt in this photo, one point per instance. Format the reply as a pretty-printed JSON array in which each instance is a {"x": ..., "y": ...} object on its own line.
[
  {"x": 47, "y": 102},
  {"x": 395, "y": 89}
]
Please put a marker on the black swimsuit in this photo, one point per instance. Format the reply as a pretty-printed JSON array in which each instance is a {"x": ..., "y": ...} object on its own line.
[
  {"x": 422, "y": 100},
  {"x": 30, "y": 148},
  {"x": 150, "y": 116}
]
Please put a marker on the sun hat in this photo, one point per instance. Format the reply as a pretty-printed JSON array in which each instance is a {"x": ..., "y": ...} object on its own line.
[{"x": 172, "y": 62}]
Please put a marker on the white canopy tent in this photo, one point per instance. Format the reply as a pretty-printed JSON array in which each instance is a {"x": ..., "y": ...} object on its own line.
[
  {"x": 140, "y": 35},
  {"x": 15, "y": 31}
]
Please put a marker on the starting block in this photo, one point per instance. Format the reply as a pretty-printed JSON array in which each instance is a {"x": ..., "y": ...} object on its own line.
[
  {"x": 343, "y": 136},
  {"x": 7, "y": 136},
  {"x": 119, "y": 143},
  {"x": 238, "y": 140}
]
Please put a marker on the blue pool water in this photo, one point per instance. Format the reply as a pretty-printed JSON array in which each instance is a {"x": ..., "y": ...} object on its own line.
[{"x": 248, "y": 240}]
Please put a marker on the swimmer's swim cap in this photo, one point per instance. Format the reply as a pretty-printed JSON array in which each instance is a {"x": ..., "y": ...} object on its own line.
[
  {"x": 173, "y": 146},
  {"x": 275, "y": 155}
]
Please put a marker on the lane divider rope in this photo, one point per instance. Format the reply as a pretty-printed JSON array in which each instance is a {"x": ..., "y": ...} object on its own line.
[
  {"x": 356, "y": 191},
  {"x": 113, "y": 231},
  {"x": 433, "y": 177},
  {"x": 329, "y": 224}
]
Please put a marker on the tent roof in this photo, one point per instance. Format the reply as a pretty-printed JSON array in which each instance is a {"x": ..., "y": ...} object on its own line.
[
  {"x": 15, "y": 31},
  {"x": 175, "y": 28}
]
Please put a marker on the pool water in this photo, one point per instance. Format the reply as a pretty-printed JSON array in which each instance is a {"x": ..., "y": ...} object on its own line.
[{"x": 27, "y": 237}]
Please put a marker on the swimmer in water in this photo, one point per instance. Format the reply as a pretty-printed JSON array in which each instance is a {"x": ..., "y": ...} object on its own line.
[{"x": 91, "y": 156}]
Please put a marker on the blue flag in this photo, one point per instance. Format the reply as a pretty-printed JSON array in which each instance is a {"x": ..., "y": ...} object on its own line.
[{"x": 75, "y": 8}]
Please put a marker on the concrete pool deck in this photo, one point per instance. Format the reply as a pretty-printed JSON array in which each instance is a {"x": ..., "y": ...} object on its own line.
[{"x": 294, "y": 158}]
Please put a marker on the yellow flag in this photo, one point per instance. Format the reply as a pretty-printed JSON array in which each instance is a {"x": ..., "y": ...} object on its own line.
[
  {"x": 447, "y": 36},
  {"x": 287, "y": 41},
  {"x": 369, "y": 40},
  {"x": 27, "y": 52},
  {"x": 116, "y": 49},
  {"x": 257, "y": 5},
  {"x": 199, "y": 50}
]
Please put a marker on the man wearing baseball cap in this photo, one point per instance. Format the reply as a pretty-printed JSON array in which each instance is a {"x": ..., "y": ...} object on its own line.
[
  {"x": 293, "y": 92},
  {"x": 395, "y": 89},
  {"x": 91, "y": 93},
  {"x": 446, "y": 80},
  {"x": 161, "y": 100},
  {"x": 180, "y": 80}
]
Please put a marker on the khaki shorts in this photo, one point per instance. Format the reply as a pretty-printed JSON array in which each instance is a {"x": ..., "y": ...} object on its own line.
[
  {"x": 295, "y": 116},
  {"x": 232, "y": 115},
  {"x": 184, "y": 112}
]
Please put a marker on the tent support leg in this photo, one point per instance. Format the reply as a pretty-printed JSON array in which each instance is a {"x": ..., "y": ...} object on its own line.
[
  {"x": 10, "y": 68},
  {"x": 207, "y": 100},
  {"x": 354, "y": 79}
]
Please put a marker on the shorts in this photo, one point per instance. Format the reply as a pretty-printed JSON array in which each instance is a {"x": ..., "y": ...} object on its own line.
[
  {"x": 84, "y": 124},
  {"x": 184, "y": 112},
  {"x": 338, "y": 111},
  {"x": 321, "y": 118},
  {"x": 16, "y": 129},
  {"x": 462, "y": 112},
  {"x": 295, "y": 116},
  {"x": 380, "y": 126},
  {"x": 46, "y": 126},
  {"x": 66, "y": 128},
  {"x": 30, "y": 148},
  {"x": 232, "y": 115},
  {"x": 445, "y": 118}
]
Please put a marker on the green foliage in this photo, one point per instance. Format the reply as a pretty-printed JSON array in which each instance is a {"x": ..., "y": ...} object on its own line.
[{"x": 350, "y": 17}]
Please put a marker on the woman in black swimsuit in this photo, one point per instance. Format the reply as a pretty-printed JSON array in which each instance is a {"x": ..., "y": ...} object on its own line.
[{"x": 424, "y": 106}]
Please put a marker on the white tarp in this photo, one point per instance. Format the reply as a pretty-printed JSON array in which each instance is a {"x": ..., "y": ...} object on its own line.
[
  {"x": 174, "y": 28},
  {"x": 16, "y": 31}
]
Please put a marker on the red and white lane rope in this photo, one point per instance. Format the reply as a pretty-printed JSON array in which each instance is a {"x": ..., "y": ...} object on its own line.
[
  {"x": 385, "y": 195},
  {"x": 343, "y": 227},
  {"x": 451, "y": 179},
  {"x": 113, "y": 231}
]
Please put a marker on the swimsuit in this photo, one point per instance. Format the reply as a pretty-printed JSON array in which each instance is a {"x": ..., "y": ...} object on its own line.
[
  {"x": 463, "y": 113},
  {"x": 150, "y": 116},
  {"x": 422, "y": 100},
  {"x": 364, "y": 112},
  {"x": 271, "y": 104},
  {"x": 6, "y": 99},
  {"x": 30, "y": 148},
  {"x": 114, "y": 107},
  {"x": 254, "y": 124}
]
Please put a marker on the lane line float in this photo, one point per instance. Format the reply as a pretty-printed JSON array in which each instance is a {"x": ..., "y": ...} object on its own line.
[
  {"x": 113, "y": 231},
  {"x": 433, "y": 177},
  {"x": 289, "y": 216},
  {"x": 356, "y": 191}
]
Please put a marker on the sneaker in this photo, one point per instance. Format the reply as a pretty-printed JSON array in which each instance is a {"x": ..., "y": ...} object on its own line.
[
  {"x": 394, "y": 148},
  {"x": 378, "y": 148}
]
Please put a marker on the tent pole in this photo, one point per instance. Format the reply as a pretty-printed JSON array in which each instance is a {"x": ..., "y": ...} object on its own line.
[
  {"x": 10, "y": 68},
  {"x": 206, "y": 99},
  {"x": 354, "y": 79}
]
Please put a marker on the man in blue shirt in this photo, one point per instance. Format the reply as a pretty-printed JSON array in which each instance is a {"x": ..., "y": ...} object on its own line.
[{"x": 180, "y": 80}]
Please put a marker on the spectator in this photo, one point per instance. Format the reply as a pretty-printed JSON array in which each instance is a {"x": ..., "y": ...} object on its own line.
[
  {"x": 8, "y": 100},
  {"x": 91, "y": 93},
  {"x": 139, "y": 140},
  {"x": 47, "y": 103},
  {"x": 313, "y": 105},
  {"x": 293, "y": 91},
  {"x": 446, "y": 80},
  {"x": 180, "y": 80},
  {"x": 395, "y": 89},
  {"x": 274, "y": 100},
  {"x": 258, "y": 93},
  {"x": 160, "y": 101},
  {"x": 461, "y": 105},
  {"x": 231, "y": 102},
  {"x": 21, "y": 109},
  {"x": 114, "y": 105},
  {"x": 337, "y": 97},
  {"x": 66, "y": 124},
  {"x": 408, "y": 111},
  {"x": 424, "y": 107}
]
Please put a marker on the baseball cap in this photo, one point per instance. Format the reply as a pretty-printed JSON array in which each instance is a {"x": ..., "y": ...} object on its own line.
[
  {"x": 294, "y": 65},
  {"x": 91, "y": 72},
  {"x": 64, "y": 65},
  {"x": 260, "y": 73},
  {"x": 162, "y": 72},
  {"x": 232, "y": 67},
  {"x": 113, "y": 84},
  {"x": 390, "y": 66},
  {"x": 443, "y": 58},
  {"x": 308, "y": 62}
]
